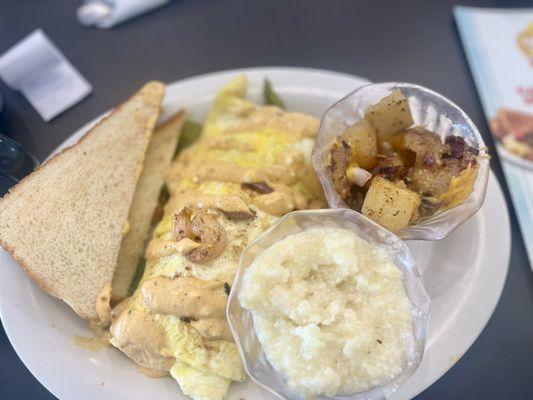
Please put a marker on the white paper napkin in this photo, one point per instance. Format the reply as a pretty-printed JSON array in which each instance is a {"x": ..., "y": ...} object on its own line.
[
  {"x": 108, "y": 13},
  {"x": 37, "y": 68}
]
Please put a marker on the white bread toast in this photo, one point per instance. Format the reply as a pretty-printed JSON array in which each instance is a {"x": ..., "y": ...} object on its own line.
[
  {"x": 64, "y": 222},
  {"x": 159, "y": 155}
]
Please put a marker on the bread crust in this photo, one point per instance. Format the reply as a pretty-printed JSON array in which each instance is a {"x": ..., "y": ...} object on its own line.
[{"x": 158, "y": 158}]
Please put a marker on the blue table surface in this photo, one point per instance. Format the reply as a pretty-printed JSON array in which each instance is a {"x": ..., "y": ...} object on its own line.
[{"x": 412, "y": 41}]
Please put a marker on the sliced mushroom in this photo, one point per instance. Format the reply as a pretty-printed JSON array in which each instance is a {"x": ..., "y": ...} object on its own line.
[
  {"x": 240, "y": 215},
  {"x": 202, "y": 228},
  {"x": 259, "y": 187}
]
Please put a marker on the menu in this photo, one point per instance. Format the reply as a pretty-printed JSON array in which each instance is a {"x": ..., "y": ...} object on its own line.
[{"x": 499, "y": 48}]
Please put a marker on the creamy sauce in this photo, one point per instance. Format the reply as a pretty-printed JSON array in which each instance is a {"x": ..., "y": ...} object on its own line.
[
  {"x": 213, "y": 328},
  {"x": 331, "y": 312},
  {"x": 178, "y": 311},
  {"x": 185, "y": 297},
  {"x": 152, "y": 373},
  {"x": 158, "y": 248},
  {"x": 281, "y": 174},
  {"x": 225, "y": 172},
  {"x": 91, "y": 343},
  {"x": 95, "y": 343},
  {"x": 227, "y": 203},
  {"x": 270, "y": 117},
  {"x": 275, "y": 203},
  {"x": 224, "y": 144},
  {"x": 142, "y": 338},
  {"x": 103, "y": 306},
  {"x": 119, "y": 309},
  {"x": 291, "y": 167},
  {"x": 222, "y": 268}
]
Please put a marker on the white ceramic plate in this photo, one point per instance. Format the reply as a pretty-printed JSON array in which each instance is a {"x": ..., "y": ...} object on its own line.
[{"x": 464, "y": 274}]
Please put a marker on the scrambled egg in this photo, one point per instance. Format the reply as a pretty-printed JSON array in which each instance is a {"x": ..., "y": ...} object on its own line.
[
  {"x": 250, "y": 166},
  {"x": 199, "y": 385}
]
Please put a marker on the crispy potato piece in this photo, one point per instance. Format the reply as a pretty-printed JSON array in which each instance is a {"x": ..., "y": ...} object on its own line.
[
  {"x": 432, "y": 182},
  {"x": 363, "y": 142},
  {"x": 418, "y": 146},
  {"x": 340, "y": 161},
  {"x": 390, "y": 116},
  {"x": 460, "y": 187},
  {"x": 389, "y": 204}
]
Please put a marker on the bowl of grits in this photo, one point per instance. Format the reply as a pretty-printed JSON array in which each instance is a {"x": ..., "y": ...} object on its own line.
[{"x": 328, "y": 304}]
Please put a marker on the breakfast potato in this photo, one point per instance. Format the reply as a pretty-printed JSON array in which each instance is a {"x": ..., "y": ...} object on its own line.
[
  {"x": 460, "y": 187},
  {"x": 363, "y": 142},
  {"x": 390, "y": 204},
  {"x": 390, "y": 116}
]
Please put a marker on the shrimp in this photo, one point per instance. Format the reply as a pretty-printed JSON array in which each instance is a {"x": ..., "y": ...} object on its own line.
[{"x": 204, "y": 229}]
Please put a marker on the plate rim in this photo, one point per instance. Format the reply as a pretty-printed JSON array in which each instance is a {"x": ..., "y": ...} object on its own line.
[{"x": 495, "y": 188}]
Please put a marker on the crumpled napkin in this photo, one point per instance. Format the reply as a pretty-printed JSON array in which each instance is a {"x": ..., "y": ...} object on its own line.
[
  {"x": 108, "y": 13},
  {"x": 38, "y": 69}
]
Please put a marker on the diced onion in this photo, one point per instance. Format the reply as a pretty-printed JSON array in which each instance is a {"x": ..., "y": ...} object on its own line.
[{"x": 358, "y": 176}]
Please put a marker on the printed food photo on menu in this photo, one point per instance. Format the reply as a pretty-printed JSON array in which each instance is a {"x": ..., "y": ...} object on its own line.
[
  {"x": 513, "y": 129},
  {"x": 499, "y": 48}
]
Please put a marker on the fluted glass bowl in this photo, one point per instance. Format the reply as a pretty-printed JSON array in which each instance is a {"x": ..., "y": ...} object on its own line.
[
  {"x": 431, "y": 111},
  {"x": 241, "y": 320}
]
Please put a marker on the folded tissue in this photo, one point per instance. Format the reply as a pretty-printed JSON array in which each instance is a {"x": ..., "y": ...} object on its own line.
[
  {"x": 108, "y": 13},
  {"x": 37, "y": 68}
]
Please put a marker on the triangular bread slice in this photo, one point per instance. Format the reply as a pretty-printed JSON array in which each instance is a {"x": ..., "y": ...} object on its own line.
[
  {"x": 159, "y": 155},
  {"x": 64, "y": 222}
]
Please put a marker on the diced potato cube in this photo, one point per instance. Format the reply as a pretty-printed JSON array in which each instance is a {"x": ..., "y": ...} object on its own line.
[
  {"x": 390, "y": 116},
  {"x": 389, "y": 204},
  {"x": 363, "y": 142}
]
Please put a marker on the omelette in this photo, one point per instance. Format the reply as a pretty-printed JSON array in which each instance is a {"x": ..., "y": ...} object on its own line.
[{"x": 250, "y": 166}]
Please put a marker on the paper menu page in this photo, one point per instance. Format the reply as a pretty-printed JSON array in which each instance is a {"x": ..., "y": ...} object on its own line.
[{"x": 499, "y": 48}]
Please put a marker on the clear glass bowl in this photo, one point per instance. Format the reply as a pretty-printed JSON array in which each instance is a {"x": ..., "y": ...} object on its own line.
[
  {"x": 430, "y": 110},
  {"x": 241, "y": 320}
]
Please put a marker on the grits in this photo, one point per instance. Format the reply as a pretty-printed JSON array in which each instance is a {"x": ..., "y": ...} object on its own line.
[{"x": 331, "y": 312}]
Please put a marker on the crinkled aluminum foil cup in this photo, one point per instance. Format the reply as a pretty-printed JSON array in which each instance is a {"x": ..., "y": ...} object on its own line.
[
  {"x": 430, "y": 110},
  {"x": 241, "y": 320}
]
